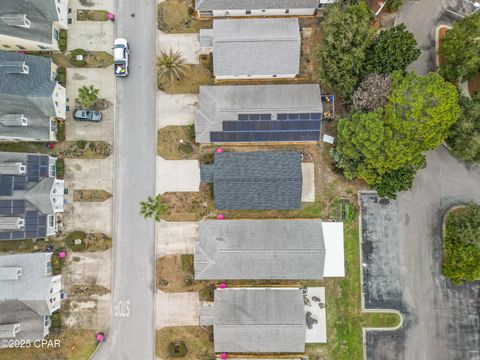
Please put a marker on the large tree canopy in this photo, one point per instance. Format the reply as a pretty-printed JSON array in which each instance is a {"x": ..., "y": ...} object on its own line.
[
  {"x": 460, "y": 50},
  {"x": 393, "y": 49},
  {"x": 464, "y": 137},
  {"x": 346, "y": 37},
  {"x": 385, "y": 147}
]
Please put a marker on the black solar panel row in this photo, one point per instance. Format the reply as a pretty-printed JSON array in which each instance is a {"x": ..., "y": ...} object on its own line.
[
  {"x": 303, "y": 116},
  {"x": 37, "y": 167},
  {"x": 12, "y": 207},
  {"x": 247, "y": 117},
  {"x": 35, "y": 226},
  {"x": 264, "y": 136},
  {"x": 304, "y": 125}
]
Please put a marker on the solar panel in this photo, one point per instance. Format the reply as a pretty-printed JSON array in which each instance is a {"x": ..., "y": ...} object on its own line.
[
  {"x": 19, "y": 182},
  {"x": 271, "y": 125},
  {"x": 301, "y": 116},
  {"x": 242, "y": 116},
  {"x": 5, "y": 236},
  {"x": 247, "y": 117},
  {"x": 6, "y": 185},
  {"x": 264, "y": 136}
]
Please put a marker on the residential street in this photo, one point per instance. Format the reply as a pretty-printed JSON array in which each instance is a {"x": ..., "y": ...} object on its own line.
[{"x": 130, "y": 333}]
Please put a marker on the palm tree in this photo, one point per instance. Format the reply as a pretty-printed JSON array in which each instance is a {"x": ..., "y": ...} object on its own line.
[
  {"x": 153, "y": 208},
  {"x": 87, "y": 95},
  {"x": 170, "y": 65}
]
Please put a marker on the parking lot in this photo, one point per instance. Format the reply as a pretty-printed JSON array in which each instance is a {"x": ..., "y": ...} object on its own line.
[{"x": 401, "y": 242}]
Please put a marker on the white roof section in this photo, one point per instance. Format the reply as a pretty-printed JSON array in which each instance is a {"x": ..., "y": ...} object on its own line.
[
  {"x": 334, "y": 249},
  {"x": 254, "y": 47}
]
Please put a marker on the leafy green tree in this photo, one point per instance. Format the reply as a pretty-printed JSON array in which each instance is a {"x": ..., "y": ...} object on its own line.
[
  {"x": 464, "y": 137},
  {"x": 396, "y": 181},
  {"x": 461, "y": 245},
  {"x": 393, "y": 49},
  {"x": 153, "y": 207},
  {"x": 422, "y": 108},
  {"x": 385, "y": 147},
  {"x": 170, "y": 65},
  {"x": 460, "y": 50},
  {"x": 393, "y": 5},
  {"x": 346, "y": 37},
  {"x": 87, "y": 95}
]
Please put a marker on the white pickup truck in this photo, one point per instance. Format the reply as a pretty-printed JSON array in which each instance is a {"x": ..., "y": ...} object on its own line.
[{"x": 120, "y": 57}]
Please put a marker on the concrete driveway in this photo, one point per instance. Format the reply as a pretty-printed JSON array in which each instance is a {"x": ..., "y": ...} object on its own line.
[
  {"x": 177, "y": 309},
  {"x": 90, "y": 35},
  {"x": 441, "y": 320},
  {"x": 187, "y": 44},
  {"x": 176, "y": 238},
  {"x": 177, "y": 175},
  {"x": 89, "y": 174},
  {"x": 90, "y": 311},
  {"x": 308, "y": 183},
  {"x": 102, "y": 79},
  {"x": 175, "y": 109},
  {"x": 89, "y": 217}
]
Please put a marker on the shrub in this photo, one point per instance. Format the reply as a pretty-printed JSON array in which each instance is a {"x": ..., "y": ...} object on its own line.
[
  {"x": 56, "y": 264},
  {"x": 55, "y": 319},
  {"x": 61, "y": 76},
  {"x": 81, "y": 144},
  {"x": 73, "y": 57},
  {"x": 187, "y": 264},
  {"x": 393, "y": 5},
  {"x": 60, "y": 165},
  {"x": 62, "y": 41},
  {"x": 185, "y": 147},
  {"x": 60, "y": 130},
  {"x": 461, "y": 245},
  {"x": 177, "y": 349}
]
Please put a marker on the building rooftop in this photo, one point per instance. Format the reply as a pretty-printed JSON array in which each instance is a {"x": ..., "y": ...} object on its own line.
[
  {"x": 228, "y": 109},
  {"x": 259, "y": 320},
  {"x": 255, "y": 180},
  {"x": 40, "y": 14},
  {"x": 254, "y": 47},
  {"x": 259, "y": 249},
  {"x": 254, "y": 4}
]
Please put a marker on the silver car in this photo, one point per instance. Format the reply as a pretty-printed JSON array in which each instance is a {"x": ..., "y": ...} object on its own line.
[{"x": 87, "y": 115}]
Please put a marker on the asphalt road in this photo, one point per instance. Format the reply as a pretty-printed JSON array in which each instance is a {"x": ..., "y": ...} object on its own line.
[
  {"x": 442, "y": 321},
  {"x": 130, "y": 333}
]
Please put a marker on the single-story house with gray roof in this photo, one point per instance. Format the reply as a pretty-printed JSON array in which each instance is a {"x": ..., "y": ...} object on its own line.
[
  {"x": 269, "y": 250},
  {"x": 32, "y": 25},
  {"x": 257, "y": 320},
  {"x": 259, "y": 113},
  {"x": 30, "y": 98},
  {"x": 29, "y": 294},
  {"x": 221, "y": 8},
  {"x": 255, "y": 180},
  {"x": 253, "y": 48}
]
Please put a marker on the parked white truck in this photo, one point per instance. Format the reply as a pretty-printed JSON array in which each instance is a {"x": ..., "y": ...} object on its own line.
[{"x": 120, "y": 57}]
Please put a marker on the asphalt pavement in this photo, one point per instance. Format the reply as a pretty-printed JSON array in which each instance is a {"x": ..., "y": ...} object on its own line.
[
  {"x": 441, "y": 320},
  {"x": 131, "y": 330}
]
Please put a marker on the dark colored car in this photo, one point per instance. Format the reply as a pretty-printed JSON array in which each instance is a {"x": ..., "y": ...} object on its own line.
[{"x": 87, "y": 115}]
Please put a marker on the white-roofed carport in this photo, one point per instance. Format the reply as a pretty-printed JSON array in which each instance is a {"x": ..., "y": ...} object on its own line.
[{"x": 334, "y": 250}]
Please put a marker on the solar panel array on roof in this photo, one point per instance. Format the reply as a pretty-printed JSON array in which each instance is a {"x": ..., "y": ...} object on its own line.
[
  {"x": 261, "y": 128},
  {"x": 254, "y": 117},
  {"x": 37, "y": 167},
  {"x": 12, "y": 207},
  {"x": 9, "y": 183},
  {"x": 264, "y": 136},
  {"x": 35, "y": 227}
]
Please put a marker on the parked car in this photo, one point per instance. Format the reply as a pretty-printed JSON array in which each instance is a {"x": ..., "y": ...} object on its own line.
[
  {"x": 87, "y": 115},
  {"x": 120, "y": 57}
]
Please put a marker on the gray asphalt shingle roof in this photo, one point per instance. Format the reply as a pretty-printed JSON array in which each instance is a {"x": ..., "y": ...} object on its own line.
[
  {"x": 40, "y": 13},
  {"x": 255, "y": 46},
  {"x": 28, "y": 94},
  {"x": 259, "y": 249},
  {"x": 225, "y": 103},
  {"x": 255, "y": 4},
  {"x": 16, "y": 312},
  {"x": 255, "y": 180},
  {"x": 261, "y": 320}
]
